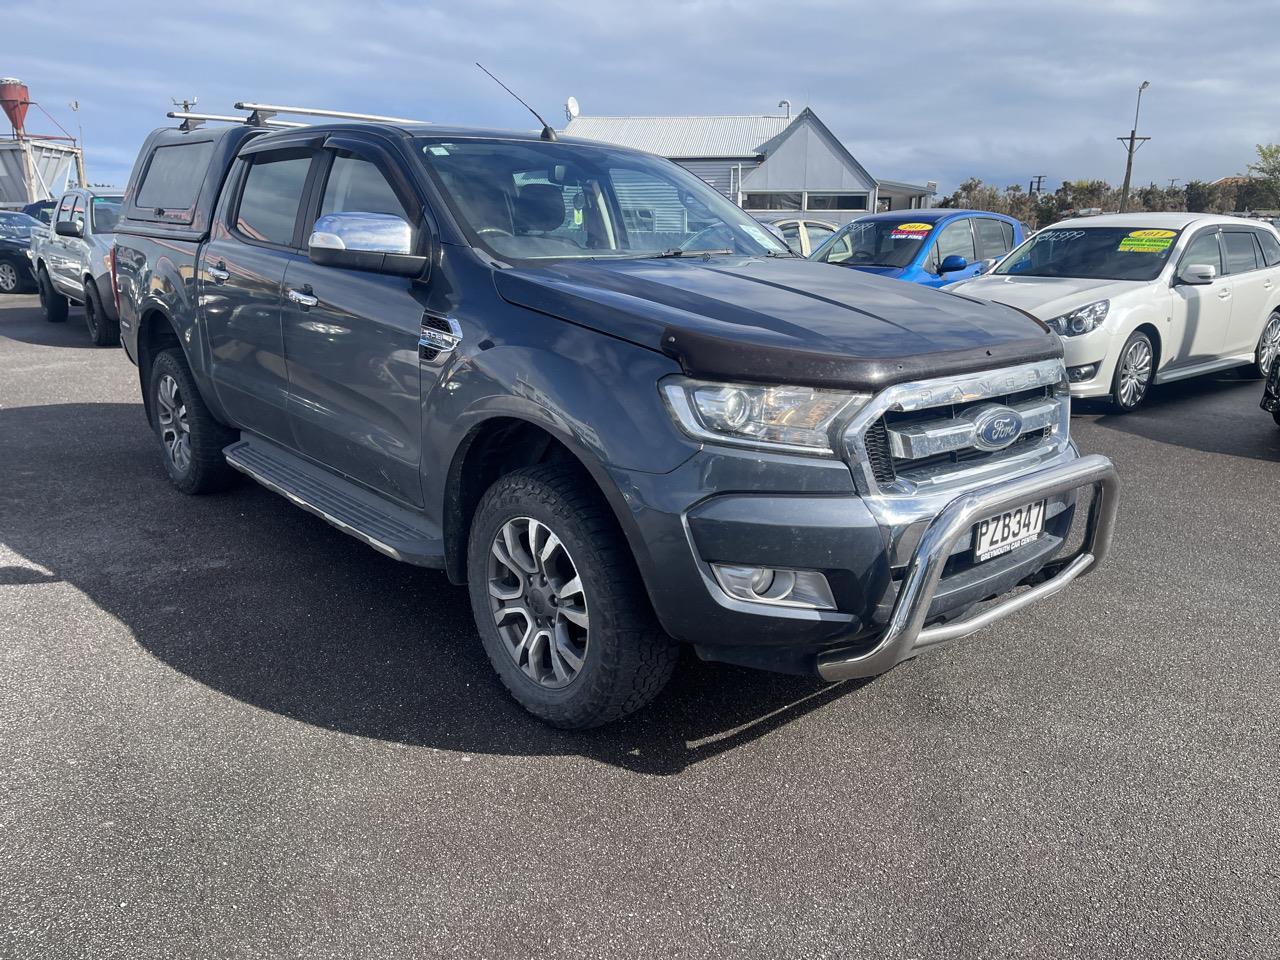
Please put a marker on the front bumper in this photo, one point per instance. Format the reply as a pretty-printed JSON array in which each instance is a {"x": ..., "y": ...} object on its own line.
[
  {"x": 750, "y": 508},
  {"x": 906, "y": 634}
]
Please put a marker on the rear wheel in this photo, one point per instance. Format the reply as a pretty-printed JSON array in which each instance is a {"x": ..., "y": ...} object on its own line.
[
  {"x": 558, "y": 601},
  {"x": 1133, "y": 373},
  {"x": 102, "y": 329},
  {"x": 53, "y": 303},
  {"x": 1268, "y": 346},
  {"x": 191, "y": 440}
]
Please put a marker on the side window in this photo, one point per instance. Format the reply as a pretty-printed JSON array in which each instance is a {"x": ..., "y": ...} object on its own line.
[
  {"x": 1270, "y": 248},
  {"x": 356, "y": 185},
  {"x": 791, "y": 234},
  {"x": 269, "y": 200},
  {"x": 65, "y": 207},
  {"x": 817, "y": 234},
  {"x": 1203, "y": 249},
  {"x": 1240, "y": 251},
  {"x": 956, "y": 239},
  {"x": 1007, "y": 230},
  {"x": 77, "y": 212},
  {"x": 991, "y": 237}
]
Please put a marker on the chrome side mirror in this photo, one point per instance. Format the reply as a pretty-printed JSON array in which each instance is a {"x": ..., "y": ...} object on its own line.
[
  {"x": 1198, "y": 274},
  {"x": 377, "y": 242}
]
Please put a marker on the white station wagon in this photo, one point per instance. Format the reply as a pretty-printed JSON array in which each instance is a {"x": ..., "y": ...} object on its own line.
[{"x": 1147, "y": 298}]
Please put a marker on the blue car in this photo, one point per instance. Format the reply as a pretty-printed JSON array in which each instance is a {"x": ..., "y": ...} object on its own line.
[{"x": 930, "y": 247}]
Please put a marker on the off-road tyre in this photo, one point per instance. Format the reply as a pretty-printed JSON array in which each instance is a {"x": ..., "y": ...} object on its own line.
[
  {"x": 173, "y": 396},
  {"x": 628, "y": 658},
  {"x": 54, "y": 305},
  {"x": 103, "y": 331}
]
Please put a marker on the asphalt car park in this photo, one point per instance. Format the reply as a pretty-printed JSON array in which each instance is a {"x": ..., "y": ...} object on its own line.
[{"x": 229, "y": 730}]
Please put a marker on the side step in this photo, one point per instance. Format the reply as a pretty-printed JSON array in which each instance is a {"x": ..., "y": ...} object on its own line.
[{"x": 387, "y": 527}]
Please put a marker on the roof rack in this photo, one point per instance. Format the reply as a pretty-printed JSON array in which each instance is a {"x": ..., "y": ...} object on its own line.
[
  {"x": 192, "y": 120},
  {"x": 263, "y": 112}
]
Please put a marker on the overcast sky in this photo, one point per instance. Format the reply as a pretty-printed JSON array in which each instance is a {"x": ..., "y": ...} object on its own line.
[{"x": 926, "y": 90}]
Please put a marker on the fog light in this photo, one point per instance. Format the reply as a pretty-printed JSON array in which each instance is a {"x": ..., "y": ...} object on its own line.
[
  {"x": 779, "y": 587},
  {"x": 1080, "y": 374}
]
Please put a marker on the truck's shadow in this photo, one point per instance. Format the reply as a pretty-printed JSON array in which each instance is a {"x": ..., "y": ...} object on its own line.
[
  {"x": 1216, "y": 414},
  {"x": 28, "y": 325},
  {"x": 260, "y": 601}
]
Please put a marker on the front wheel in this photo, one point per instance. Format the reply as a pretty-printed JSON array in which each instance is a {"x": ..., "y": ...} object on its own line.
[
  {"x": 54, "y": 304},
  {"x": 1133, "y": 373},
  {"x": 102, "y": 329},
  {"x": 1268, "y": 346},
  {"x": 558, "y": 601}
]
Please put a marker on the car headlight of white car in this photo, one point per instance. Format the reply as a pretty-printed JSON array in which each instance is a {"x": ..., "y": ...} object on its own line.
[{"x": 1081, "y": 320}]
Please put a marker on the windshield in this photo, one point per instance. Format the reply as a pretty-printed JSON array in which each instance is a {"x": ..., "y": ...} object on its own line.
[
  {"x": 17, "y": 226},
  {"x": 106, "y": 213},
  {"x": 1093, "y": 253},
  {"x": 875, "y": 243},
  {"x": 545, "y": 200}
]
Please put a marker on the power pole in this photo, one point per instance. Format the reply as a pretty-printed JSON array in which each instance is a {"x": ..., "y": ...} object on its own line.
[
  {"x": 1036, "y": 184},
  {"x": 1173, "y": 182},
  {"x": 1132, "y": 143},
  {"x": 184, "y": 103}
]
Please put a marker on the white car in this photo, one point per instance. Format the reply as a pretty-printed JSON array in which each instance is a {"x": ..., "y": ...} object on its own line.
[{"x": 1147, "y": 297}]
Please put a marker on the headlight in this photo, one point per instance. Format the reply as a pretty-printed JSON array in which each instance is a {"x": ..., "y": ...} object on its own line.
[
  {"x": 798, "y": 419},
  {"x": 1081, "y": 320}
]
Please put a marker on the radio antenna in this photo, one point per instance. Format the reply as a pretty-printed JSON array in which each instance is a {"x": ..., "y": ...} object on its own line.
[{"x": 547, "y": 132}]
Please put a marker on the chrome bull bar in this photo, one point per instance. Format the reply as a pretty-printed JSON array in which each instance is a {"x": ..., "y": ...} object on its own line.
[{"x": 905, "y": 636}]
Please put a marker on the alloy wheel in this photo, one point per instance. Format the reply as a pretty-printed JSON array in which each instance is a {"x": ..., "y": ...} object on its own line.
[
  {"x": 175, "y": 431},
  {"x": 538, "y": 602},
  {"x": 8, "y": 278},
  {"x": 1135, "y": 373},
  {"x": 1269, "y": 344}
]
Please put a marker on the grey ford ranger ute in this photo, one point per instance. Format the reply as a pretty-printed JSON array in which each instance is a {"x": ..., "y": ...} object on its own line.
[{"x": 583, "y": 383}]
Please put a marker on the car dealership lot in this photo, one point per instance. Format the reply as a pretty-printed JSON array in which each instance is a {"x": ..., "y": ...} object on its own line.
[{"x": 229, "y": 730}]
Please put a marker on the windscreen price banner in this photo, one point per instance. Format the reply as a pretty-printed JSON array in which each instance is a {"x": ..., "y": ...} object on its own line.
[
  {"x": 911, "y": 231},
  {"x": 1147, "y": 241}
]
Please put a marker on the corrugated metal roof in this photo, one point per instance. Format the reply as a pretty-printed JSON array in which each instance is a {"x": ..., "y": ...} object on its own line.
[{"x": 683, "y": 137}]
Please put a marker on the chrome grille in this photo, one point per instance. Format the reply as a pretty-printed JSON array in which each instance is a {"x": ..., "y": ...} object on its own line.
[{"x": 926, "y": 433}]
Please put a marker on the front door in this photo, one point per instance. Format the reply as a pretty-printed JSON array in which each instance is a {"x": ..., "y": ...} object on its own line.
[
  {"x": 955, "y": 239},
  {"x": 351, "y": 338},
  {"x": 241, "y": 284},
  {"x": 1201, "y": 313}
]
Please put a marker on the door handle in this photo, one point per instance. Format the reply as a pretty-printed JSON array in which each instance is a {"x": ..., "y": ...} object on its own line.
[
  {"x": 303, "y": 297},
  {"x": 1224, "y": 294},
  {"x": 219, "y": 273}
]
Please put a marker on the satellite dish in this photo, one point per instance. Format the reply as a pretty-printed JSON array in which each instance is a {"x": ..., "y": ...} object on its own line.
[{"x": 571, "y": 108}]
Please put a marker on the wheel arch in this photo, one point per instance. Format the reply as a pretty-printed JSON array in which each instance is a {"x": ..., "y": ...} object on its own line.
[
  {"x": 499, "y": 445},
  {"x": 156, "y": 332}
]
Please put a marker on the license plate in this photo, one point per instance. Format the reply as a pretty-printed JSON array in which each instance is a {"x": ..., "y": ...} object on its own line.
[{"x": 1008, "y": 531}]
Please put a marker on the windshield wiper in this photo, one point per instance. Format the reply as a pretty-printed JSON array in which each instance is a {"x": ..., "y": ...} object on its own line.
[{"x": 678, "y": 252}]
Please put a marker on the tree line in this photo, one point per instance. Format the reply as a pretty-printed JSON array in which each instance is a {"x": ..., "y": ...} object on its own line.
[{"x": 1258, "y": 190}]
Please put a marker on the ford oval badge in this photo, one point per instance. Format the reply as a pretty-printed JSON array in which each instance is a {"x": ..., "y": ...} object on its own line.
[{"x": 996, "y": 427}]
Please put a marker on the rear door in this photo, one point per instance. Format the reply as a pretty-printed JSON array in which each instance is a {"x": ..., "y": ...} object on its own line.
[
  {"x": 1253, "y": 286},
  {"x": 255, "y": 235},
  {"x": 351, "y": 336}
]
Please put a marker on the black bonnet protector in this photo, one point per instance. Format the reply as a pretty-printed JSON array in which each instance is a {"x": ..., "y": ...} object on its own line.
[{"x": 783, "y": 320}]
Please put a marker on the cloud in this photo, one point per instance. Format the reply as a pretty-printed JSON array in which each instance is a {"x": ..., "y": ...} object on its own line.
[{"x": 935, "y": 90}]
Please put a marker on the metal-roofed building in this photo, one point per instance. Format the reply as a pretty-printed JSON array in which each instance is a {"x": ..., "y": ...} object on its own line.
[{"x": 773, "y": 166}]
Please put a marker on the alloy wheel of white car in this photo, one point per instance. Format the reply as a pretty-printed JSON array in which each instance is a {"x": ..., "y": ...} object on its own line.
[{"x": 1133, "y": 375}]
